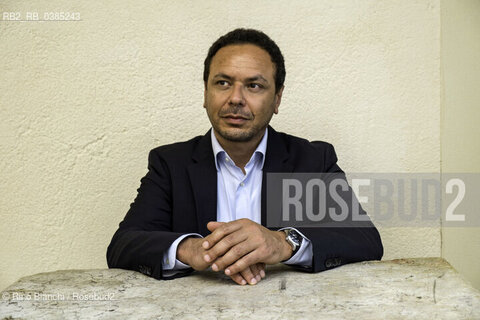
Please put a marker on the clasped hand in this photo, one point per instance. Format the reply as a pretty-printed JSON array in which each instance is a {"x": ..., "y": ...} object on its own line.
[{"x": 241, "y": 248}]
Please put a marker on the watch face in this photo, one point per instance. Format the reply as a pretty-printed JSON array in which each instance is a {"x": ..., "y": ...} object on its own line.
[{"x": 295, "y": 237}]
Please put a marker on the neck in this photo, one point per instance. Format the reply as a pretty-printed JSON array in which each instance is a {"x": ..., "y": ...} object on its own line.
[{"x": 240, "y": 152}]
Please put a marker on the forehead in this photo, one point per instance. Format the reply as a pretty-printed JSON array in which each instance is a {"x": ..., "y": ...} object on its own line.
[{"x": 242, "y": 59}]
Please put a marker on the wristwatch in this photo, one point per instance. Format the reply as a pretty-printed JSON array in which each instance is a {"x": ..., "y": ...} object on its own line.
[{"x": 294, "y": 239}]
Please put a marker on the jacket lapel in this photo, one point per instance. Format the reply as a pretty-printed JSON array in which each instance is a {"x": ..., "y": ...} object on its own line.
[
  {"x": 203, "y": 177},
  {"x": 276, "y": 160}
]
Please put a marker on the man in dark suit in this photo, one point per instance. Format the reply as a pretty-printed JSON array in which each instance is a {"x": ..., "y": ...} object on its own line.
[{"x": 202, "y": 203}]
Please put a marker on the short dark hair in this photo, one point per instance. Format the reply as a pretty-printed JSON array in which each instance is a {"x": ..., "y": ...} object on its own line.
[{"x": 249, "y": 36}]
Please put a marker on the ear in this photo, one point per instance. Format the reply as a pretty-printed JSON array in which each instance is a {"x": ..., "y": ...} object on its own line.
[{"x": 278, "y": 99}]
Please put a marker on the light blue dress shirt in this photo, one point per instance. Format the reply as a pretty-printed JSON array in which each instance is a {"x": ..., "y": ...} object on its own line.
[{"x": 238, "y": 196}]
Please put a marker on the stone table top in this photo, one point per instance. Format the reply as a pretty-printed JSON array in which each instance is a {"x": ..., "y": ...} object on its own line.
[{"x": 398, "y": 289}]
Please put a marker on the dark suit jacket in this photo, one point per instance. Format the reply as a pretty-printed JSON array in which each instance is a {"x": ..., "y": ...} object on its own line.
[{"x": 179, "y": 195}]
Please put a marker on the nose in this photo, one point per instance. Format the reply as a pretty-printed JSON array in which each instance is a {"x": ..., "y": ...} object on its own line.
[{"x": 237, "y": 97}]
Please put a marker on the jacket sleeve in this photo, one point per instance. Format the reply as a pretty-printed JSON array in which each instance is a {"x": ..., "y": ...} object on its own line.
[
  {"x": 145, "y": 232},
  {"x": 336, "y": 244}
]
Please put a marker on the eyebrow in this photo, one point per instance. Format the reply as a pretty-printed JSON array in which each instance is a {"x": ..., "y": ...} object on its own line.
[{"x": 254, "y": 78}]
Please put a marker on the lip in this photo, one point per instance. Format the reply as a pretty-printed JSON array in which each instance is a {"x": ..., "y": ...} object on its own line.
[{"x": 235, "y": 119}]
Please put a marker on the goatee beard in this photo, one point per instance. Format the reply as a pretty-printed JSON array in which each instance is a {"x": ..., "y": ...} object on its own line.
[{"x": 242, "y": 136}]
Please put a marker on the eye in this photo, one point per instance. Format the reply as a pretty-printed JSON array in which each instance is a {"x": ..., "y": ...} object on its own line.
[
  {"x": 222, "y": 83},
  {"x": 255, "y": 86}
]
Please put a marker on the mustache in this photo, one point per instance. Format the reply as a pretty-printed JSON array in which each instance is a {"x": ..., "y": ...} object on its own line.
[{"x": 236, "y": 111}]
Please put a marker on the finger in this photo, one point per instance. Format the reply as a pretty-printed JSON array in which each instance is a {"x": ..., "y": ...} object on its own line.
[
  {"x": 220, "y": 232},
  {"x": 224, "y": 245},
  {"x": 249, "y": 276},
  {"x": 212, "y": 225},
  {"x": 242, "y": 263},
  {"x": 232, "y": 255},
  {"x": 237, "y": 277},
  {"x": 256, "y": 271},
  {"x": 261, "y": 266}
]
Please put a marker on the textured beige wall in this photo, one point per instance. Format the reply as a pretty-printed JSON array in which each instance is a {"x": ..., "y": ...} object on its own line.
[
  {"x": 460, "y": 121},
  {"x": 82, "y": 103}
]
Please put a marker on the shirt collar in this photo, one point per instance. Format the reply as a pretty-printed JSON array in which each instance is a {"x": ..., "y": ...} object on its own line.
[{"x": 218, "y": 151}]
